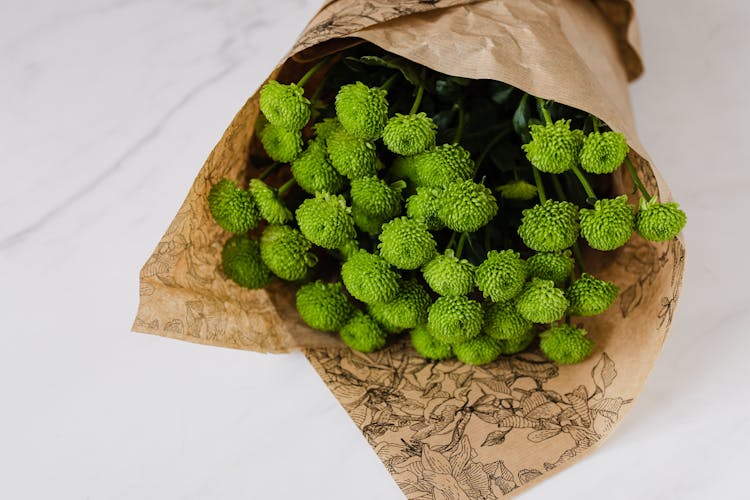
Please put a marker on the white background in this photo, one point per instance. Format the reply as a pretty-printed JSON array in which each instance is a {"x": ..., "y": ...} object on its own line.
[{"x": 107, "y": 110}]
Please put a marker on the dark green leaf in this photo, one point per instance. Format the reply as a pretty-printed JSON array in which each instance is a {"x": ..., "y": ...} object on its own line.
[
  {"x": 521, "y": 119},
  {"x": 500, "y": 92},
  {"x": 406, "y": 67}
]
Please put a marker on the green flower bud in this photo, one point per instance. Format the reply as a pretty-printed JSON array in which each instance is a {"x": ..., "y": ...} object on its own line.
[
  {"x": 409, "y": 134},
  {"x": 406, "y": 243},
  {"x": 609, "y": 224},
  {"x": 362, "y": 333},
  {"x": 314, "y": 173},
  {"x": 407, "y": 310},
  {"x": 375, "y": 197},
  {"x": 443, "y": 165},
  {"x": 350, "y": 156},
  {"x": 553, "y": 266},
  {"x": 324, "y": 306},
  {"x": 366, "y": 222},
  {"x": 369, "y": 278},
  {"x": 550, "y": 226},
  {"x": 286, "y": 252},
  {"x": 603, "y": 152},
  {"x": 284, "y": 105},
  {"x": 590, "y": 296},
  {"x": 503, "y": 322},
  {"x": 466, "y": 206},
  {"x": 554, "y": 148},
  {"x": 363, "y": 111},
  {"x": 326, "y": 127},
  {"x": 428, "y": 346},
  {"x": 659, "y": 221},
  {"x": 424, "y": 206},
  {"x": 281, "y": 145},
  {"x": 448, "y": 275},
  {"x": 541, "y": 302},
  {"x": 271, "y": 207},
  {"x": 478, "y": 351},
  {"x": 566, "y": 344},
  {"x": 326, "y": 220},
  {"x": 516, "y": 345},
  {"x": 232, "y": 208},
  {"x": 241, "y": 261},
  {"x": 455, "y": 319},
  {"x": 518, "y": 190},
  {"x": 501, "y": 275}
]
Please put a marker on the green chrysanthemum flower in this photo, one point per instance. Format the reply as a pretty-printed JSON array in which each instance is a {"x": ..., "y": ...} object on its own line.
[
  {"x": 406, "y": 243},
  {"x": 448, "y": 275},
  {"x": 407, "y": 310},
  {"x": 501, "y": 275},
  {"x": 516, "y": 345},
  {"x": 553, "y": 266},
  {"x": 590, "y": 296},
  {"x": 232, "y": 208},
  {"x": 366, "y": 222},
  {"x": 405, "y": 167},
  {"x": 281, "y": 145},
  {"x": 284, "y": 105},
  {"x": 443, "y": 165},
  {"x": 424, "y": 206},
  {"x": 286, "y": 252},
  {"x": 566, "y": 344},
  {"x": 314, "y": 173},
  {"x": 362, "y": 110},
  {"x": 553, "y": 148},
  {"x": 326, "y": 127},
  {"x": 659, "y": 221},
  {"x": 271, "y": 207},
  {"x": 324, "y": 306},
  {"x": 456, "y": 319},
  {"x": 362, "y": 333},
  {"x": 550, "y": 226},
  {"x": 609, "y": 224},
  {"x": 518, "y": 190},
  {"x": 241, "y": 261},
  {"x": 408, "y": 135},
  {"x": 603, "y": 152},
  {"x": 350, "y": 156},
  {"x": 326, "y": 220},
  {"x": 428, "y": 346},
  {"x": 478, "y": 351},
  {"x": 541, "y": 302},
  {"x": 503, "y": 322},
  {"x": 369, "y": 278},
  {"x": 466, "y": 206},
  {"x": 375, "y": 197}
]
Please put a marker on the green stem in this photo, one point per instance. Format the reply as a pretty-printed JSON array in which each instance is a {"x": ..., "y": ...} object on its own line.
[
  {"x": 492, "y": 144},
  {"x": 310, "y": 72},
  {"x": 389, "y": 81},
  {"x": 595, "y": 123},
  {"x": 460, "y": 126},
  {"x": 545, "y": 113},
  {"x": 584, "y": 183},
  {"x": 460, "y": 246},
  {"x": 539, "y": 185},
  {"x": 578, "y": 257},
  {"x": 451, "y": 241},
  {"x": 558, "y": 188},
  {"x": 418, "y": 99},
  {"x": 287, "y": 186},
  {"x": 636, "y": 179},
  {"x": 269, "y": 170}
]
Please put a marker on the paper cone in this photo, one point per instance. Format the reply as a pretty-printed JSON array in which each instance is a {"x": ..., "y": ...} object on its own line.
[{"x": 448, "y": 430}]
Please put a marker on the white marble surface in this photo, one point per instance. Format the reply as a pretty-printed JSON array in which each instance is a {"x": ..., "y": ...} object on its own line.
[{"x": 108, "y": 108}]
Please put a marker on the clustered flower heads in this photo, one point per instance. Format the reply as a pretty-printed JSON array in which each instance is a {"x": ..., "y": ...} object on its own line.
[{"x": 391, "y": 226}]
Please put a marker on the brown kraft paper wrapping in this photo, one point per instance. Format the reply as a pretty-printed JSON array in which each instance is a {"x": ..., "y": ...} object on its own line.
[{"x": 448, "y": 430}]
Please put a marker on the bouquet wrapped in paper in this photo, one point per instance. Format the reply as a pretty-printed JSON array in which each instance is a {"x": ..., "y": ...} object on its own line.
[{"x": 455, "y": 428}]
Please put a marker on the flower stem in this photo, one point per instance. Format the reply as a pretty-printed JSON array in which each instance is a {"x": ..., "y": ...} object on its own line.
[
  {"x": 595, "y": 123},
  {"x": 636, "y": 179},
  {"x": 545, "y": 113},
  {"x": 287, "y": 186},
  {"x": 558, "y": 188},
  {"x": 418, "y": 99},
  {"x": 268, "y": 171},
  {"x": 460, "y": 246},
  {"x": 585, "y": 183},
  {"x": 389, "y": 81},
  {"x": 460, "y": 126},
  {"x": 505, "y": 130},
  {"x": 578, "y": 257},
  {"x": 539, "y": 185},
  {"x": 302, "y": 81},
  {"x": 451, "y": 241}
]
